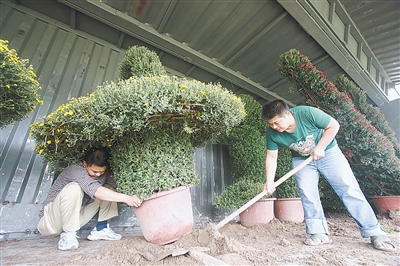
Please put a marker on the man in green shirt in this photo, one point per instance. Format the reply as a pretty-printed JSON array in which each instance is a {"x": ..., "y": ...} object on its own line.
[{"x": 308, "y": 131}]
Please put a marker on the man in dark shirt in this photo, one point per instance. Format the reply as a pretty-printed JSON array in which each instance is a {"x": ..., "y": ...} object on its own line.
[{"x": 78, "y": 193}]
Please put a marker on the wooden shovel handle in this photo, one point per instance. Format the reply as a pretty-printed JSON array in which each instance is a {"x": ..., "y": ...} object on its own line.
[{"x": 262, "y": 194}]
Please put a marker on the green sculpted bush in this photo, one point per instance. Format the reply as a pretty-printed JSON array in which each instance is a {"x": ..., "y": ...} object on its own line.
[
  {"x": 247, "y": 146},
  {"x": 151, "y": 124}
]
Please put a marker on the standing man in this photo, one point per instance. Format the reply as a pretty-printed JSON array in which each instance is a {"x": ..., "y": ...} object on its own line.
[
  {"x": 308, "y": 131},
  {"x": 78, "y": 193}
]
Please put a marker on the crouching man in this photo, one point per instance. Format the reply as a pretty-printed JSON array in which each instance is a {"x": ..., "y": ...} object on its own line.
[{"x": 80, "y": 191}]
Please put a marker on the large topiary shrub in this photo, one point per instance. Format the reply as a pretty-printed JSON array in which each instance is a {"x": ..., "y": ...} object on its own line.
[{"x": 151, "y": 125}]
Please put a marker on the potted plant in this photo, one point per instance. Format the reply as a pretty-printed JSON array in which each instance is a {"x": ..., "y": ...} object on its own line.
[
  {"x": 151, "y": 123},
  {"x": 371, "y": 153},
  {"x": 287, "y": 206},
  {"x": 246, "y": 144},
  {"x": 239, "y": 193},
  {"x": 18, "y": 86}
]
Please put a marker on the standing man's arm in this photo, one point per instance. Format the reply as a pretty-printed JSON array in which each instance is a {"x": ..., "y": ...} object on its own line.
[
  {"x": 329, "y": 134},
  {"x": 271, "y": 162}
]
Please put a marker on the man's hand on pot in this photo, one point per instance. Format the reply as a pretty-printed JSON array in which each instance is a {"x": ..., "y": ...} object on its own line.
[{"x": 133, "y": 201}]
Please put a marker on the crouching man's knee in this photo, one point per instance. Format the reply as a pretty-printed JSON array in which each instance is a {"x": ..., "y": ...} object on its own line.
[
  {"x": 72, "y": 189},
  {"x": 63, "y": 212}
]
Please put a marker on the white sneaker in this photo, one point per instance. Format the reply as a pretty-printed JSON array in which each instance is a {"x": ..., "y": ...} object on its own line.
[
  {"x": 68, "y": 240},
  {"x": 104, "y": 234}
]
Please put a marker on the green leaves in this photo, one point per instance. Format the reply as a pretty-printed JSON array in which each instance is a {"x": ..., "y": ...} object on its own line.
[
  {"x": 140, "y": 61},
  {"x": 144, "y": 164},
  {"x": 287, "y": 189},
  {"x": 247, "y": 149},
  {"x": 18, "y": 86},
  {"x": 238, "y": 194},
  {"x": 146, "y": 104},
  {"x": 372, "y": 113}
]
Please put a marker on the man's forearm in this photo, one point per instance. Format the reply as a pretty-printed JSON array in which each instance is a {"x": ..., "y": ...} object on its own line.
[
  {"x": 329, "y": 134},
  {"x": 270, "y": 170},
  {"x": 271, "y": 162},
  {"x": 103, "y": 193}
]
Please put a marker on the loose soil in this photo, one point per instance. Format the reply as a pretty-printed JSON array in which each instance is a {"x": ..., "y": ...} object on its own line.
[{"x": 277, "y": 243}]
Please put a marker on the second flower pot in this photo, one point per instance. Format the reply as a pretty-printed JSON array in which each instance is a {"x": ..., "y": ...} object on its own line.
[
  {"x": 289, "y": 209},
  {"x": 261, "y": 212}
]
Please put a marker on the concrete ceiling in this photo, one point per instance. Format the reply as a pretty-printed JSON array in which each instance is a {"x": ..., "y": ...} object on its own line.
[
  {"x": 379, "y": 23},
  {"x": 238, "y": 43}
]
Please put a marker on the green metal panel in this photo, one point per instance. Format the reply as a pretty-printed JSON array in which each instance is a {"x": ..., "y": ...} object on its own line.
[{"x": 67, "y": 65}]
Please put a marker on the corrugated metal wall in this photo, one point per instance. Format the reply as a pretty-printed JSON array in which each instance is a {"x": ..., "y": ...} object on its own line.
[{"x": 68, "y": 64}]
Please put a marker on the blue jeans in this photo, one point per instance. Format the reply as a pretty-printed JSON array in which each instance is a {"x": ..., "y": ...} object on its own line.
[{"x": 336, "y": 170}]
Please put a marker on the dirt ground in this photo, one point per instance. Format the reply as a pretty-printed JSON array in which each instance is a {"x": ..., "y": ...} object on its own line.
[{"x": 278, "y": 243}]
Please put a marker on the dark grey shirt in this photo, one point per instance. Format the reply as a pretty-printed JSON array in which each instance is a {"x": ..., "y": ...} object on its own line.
[{"x": 78, "y": 173}]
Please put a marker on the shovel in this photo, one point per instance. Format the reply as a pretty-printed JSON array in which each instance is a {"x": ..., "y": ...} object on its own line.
[{"x": 262, "y": 194}]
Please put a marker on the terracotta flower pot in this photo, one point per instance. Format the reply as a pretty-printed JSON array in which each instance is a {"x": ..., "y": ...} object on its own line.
[
  {"x": 385, "y": 203},
  {"x": 166, "y": 216},
  {"x": 289, "y": 209},
  {"x": 261, "y": 212}
]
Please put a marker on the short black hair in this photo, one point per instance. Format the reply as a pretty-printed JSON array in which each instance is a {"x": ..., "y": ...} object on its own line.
[
  {"x": 273, "y": 108},
  {"x": 97, "y": 156}
]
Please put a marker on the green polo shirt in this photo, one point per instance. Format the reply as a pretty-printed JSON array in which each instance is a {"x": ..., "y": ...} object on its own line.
[{"x": 310, "y": 124}]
